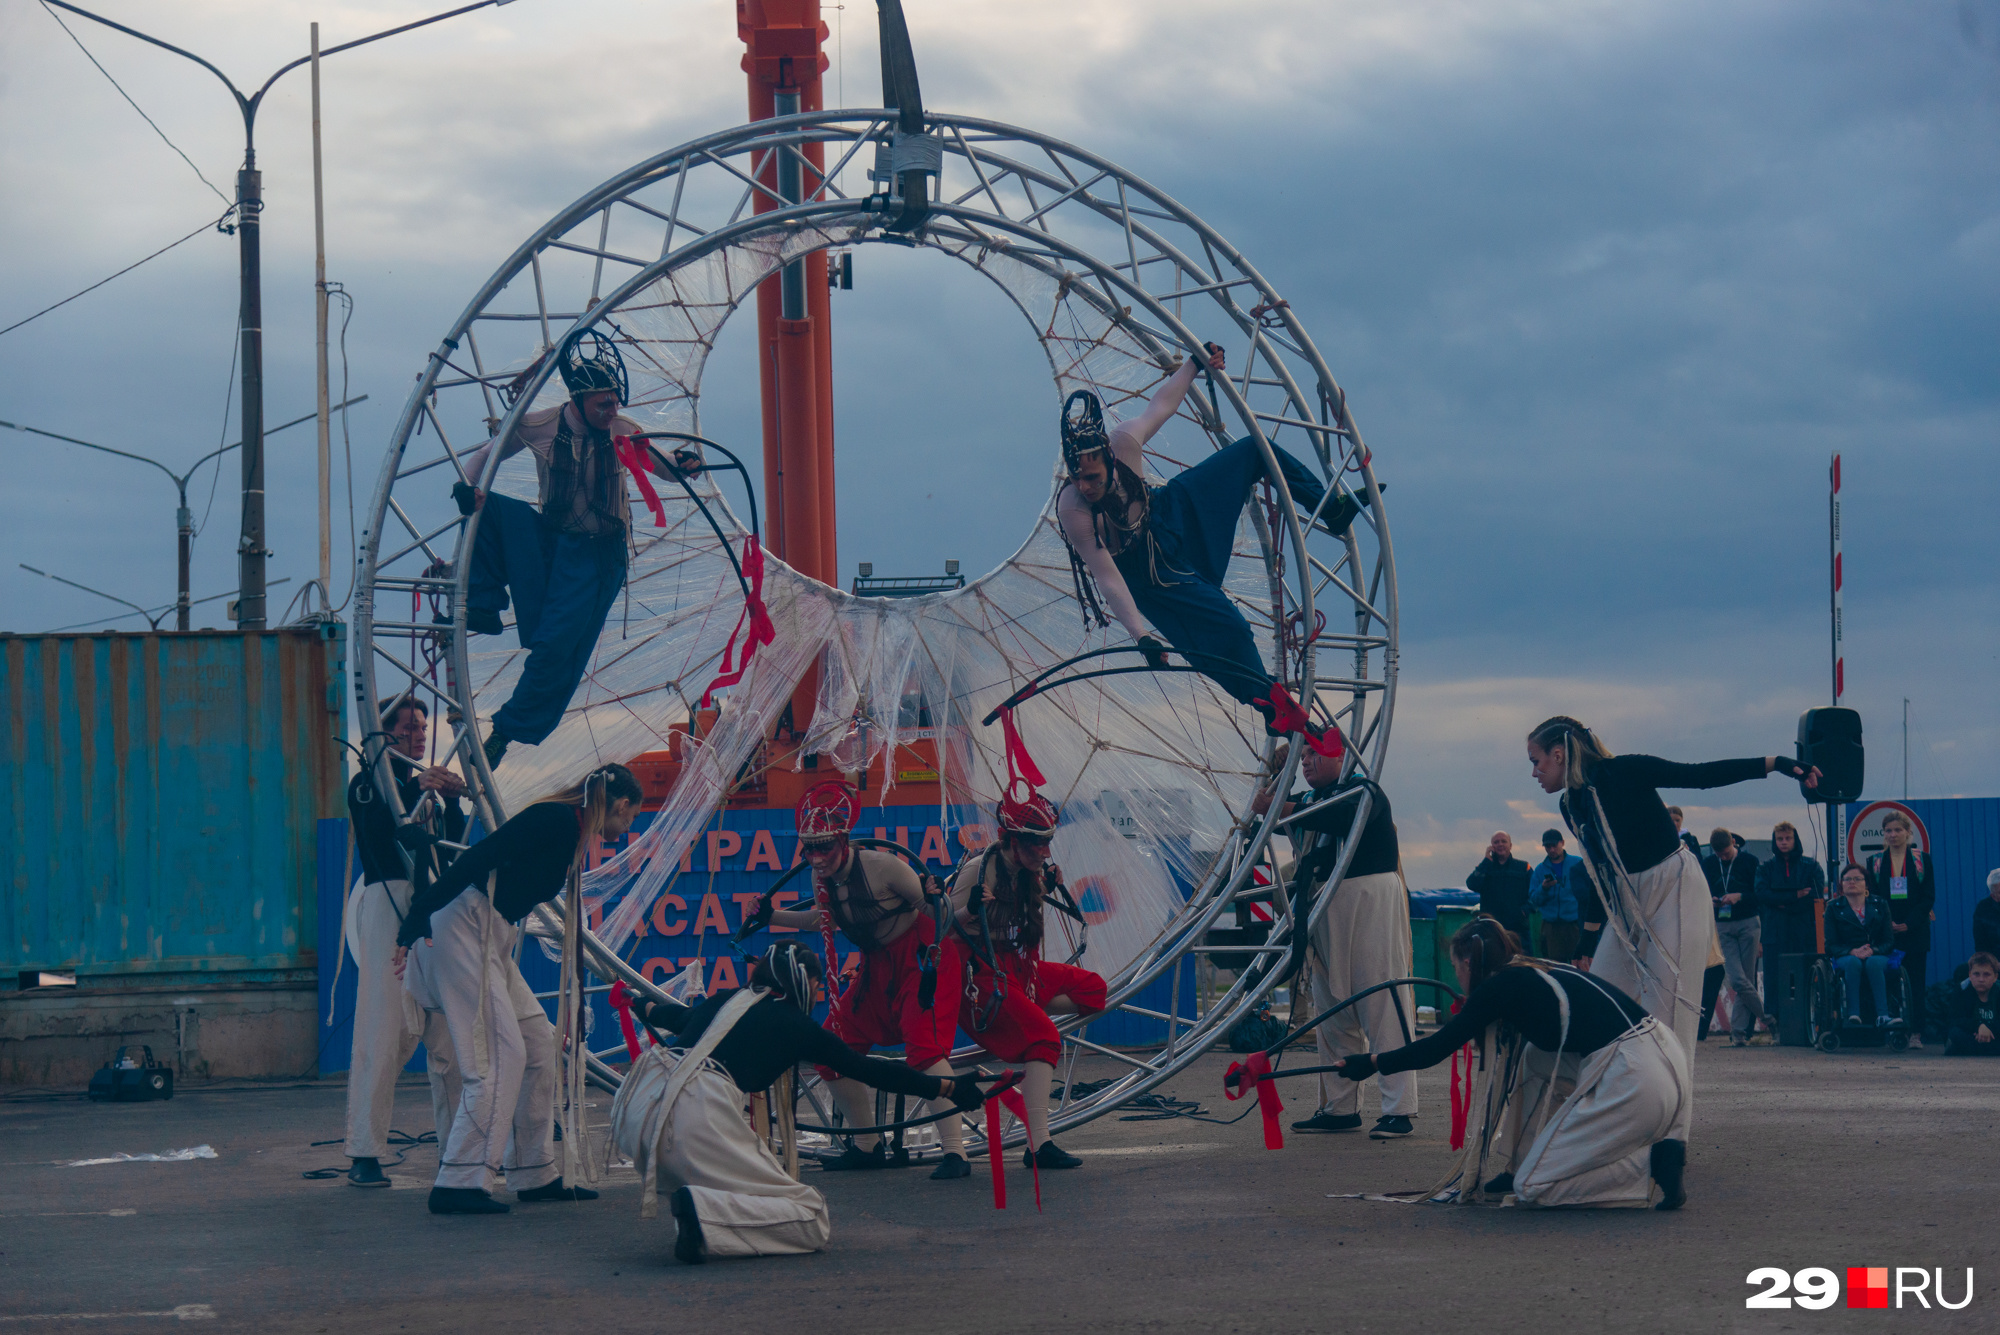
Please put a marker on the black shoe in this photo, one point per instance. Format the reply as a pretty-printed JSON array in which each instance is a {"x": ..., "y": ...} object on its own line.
[
  {"x": 1329, "y": 1122},
  {"x": 366, "y": 1173},
  {"x": 1050, "y": 1155},
  {"x": 1669, "y": 1169},
  {"x": 856, "y": 1161},
  {"x": 952, "y": 1165},
  {"x": 555, "y": 1191},
  {"x": 1500, "y": 1184},
  {"x": 483, "y": 621},
  {"x": 495, "y": 747},
  {"x": 690, "y": 1246},
  {"x": 1391, "y": 1128},
  {"x": 465, "y": 1200}
]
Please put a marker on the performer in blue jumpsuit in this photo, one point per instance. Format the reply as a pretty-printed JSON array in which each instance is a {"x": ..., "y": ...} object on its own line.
[{"x": 564, "y": 563}]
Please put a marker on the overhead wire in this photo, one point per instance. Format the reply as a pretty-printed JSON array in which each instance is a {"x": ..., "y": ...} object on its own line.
[{"x": 120, "y": 274}]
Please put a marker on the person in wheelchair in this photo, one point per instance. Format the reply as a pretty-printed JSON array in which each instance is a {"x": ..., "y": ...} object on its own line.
[{"x": 1858, "y": 942}]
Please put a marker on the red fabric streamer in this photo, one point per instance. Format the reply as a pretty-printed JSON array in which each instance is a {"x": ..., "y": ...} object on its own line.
[
  {"x": 1258, "y": 1070},
  {"x": 1461, "y": 1104},
  {"x": 1011, "y": 1098},
  {"x": 754, "y": 615},
  {"x": 1288, "y": 716},
  {"x": 621, "y": 1002},
  {"x": 634, "y": 460},
  {"x": 1021, "y": 766}
]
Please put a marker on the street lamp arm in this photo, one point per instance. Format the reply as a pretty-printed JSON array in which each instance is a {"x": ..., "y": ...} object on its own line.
[
  {"x": 35, "y": 430},
  {"x": 87, "y": 589},
  {"x": 363, "y": 41},
  {"x": 242, "y": 101},
  {"x": 271, "y": 431}
]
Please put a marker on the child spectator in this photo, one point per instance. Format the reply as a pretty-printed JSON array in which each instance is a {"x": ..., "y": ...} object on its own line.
[{"x": 1973, "y": 1026}]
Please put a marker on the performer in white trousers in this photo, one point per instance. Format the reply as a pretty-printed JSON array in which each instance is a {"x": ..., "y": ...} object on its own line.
[
  {"x": 388, "y": 1024},
  {"x": 1362, "y": 939},
  {"x": 1659, "y": 921},
  {"x": 1583, "y": 1087},
  {"x": 460, "y": 938},
  {"x": 679, "y": 1113}
]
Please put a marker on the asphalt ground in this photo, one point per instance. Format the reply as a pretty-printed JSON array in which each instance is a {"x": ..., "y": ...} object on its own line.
[{"x": 1798, "y": 1159}]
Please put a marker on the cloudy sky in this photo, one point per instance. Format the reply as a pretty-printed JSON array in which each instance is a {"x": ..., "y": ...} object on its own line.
[{"x": 1607, "y": 282}]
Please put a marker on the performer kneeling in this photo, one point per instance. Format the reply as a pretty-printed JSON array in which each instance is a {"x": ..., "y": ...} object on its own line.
[
  {"x": 1610, "y": 1139},
  {"x": 679, "y": 1113},
  {"x": 999, "y": 901},
  {"x": 456, "y": 955},
  {"x": 877, "y": 902},
  {"x": 565, "y": 564},
  {"x": 1159, "y": 554},
  {"x": 1659, "y": 919}
]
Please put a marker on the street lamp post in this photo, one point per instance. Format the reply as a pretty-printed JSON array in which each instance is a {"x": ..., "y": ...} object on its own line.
[
  {"x": 251, "y": 553},
  {"x": 183, "y": 516}
]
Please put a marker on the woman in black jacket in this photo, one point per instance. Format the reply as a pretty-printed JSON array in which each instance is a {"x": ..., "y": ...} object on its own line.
[
  {"x": 1858, "y": 938},
  {"x": 1787, "y": 884},
  {"x": 456, "y": 955},
  {"x": 1907, "y": 880}
]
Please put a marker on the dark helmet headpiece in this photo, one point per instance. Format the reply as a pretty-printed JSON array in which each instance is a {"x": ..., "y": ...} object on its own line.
[
  {"x": 591, "y": 364},
  {"x": 827, "y": 811},
  {"x": 794, "y": 969},
  {"x": 1031, "y": 815},
  {"x": 1082, "y": 428}
]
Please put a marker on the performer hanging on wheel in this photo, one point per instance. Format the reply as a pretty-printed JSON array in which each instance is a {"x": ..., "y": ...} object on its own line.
[
  {"x": 679, "y": 1113},
  {"x": 388, "y": 1024},
  {"x": 456, "y": 955},
  {"x": 877, "y": 902},
  {"x": 1157, "y": 555},
  {"x": 999, "y": 899},
  {"x": 566, "y": 563},
  {"x": 1659, "y": 917},
  {"x": 1613, "y": 1136}
]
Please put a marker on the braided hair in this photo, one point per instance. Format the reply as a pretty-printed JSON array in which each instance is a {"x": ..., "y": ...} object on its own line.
[
  {"x": 1486, "y": 947},
  {"x": 593, "y": 795},
  {"x": 1581, "y": 748}
]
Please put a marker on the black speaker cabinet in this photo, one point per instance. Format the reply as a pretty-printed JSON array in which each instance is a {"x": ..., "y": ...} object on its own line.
[
  {"x": 1790, "y": 987},
  {"x": 1830, "y": 737}
]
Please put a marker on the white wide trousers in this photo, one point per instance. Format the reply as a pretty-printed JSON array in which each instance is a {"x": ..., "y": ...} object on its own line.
[
  {"x": 1596, "y": 1150},
  {"x": 1673, "y": 899},
  {"x": 1364, "y": 939},
  {"x": 388, "y": 1025}
]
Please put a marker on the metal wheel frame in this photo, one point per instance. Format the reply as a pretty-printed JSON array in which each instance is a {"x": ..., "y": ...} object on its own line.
[{"x": 1011, "y": 189}]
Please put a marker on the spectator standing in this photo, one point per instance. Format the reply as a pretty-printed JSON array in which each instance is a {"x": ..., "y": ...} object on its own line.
[
  {"x": 1858, "y": 938},
  {"x": 1787, "y": 885},
  {"x": 1693, "y": 844},
  {"x": 1973, "y": 1029},
  {"x": 1986, "y": 917},
  {"x": 1552, "y": 893},
  {"x": 1501, "y": 881},
  {"x": 1908, "y": 880},
  {"x": 1732, "y": 886}
]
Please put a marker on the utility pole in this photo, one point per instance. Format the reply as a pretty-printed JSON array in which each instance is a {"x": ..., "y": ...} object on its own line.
[
  {"x": 251, "y": 552},
  {"x": 319, "y": 342}
]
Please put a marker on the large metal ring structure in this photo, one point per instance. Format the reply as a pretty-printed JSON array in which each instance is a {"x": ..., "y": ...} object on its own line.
[{"x": 1112, "y": 249}]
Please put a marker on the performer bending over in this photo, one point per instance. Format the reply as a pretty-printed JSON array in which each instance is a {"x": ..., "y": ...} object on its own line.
[
  {"x": 877, "y": 902},
  {"x": 1658, "y": 914},
  {"x": 566, "y": 564},
  {"x": 460, "y": 938},
  {"x": 999, "y": 900},
  {"x": 1607, "y": 1137},
  {"x": 1362, "y": 939},
  {"x": 388, "y": 1024},
  {"x": 1158, "y": 555},
  {"x": 680, "y": 1111}
]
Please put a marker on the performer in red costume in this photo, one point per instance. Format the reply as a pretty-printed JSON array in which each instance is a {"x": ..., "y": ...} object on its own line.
[
  {"x": 999, "y": 899},
  {"x": 876, "y": 900}
]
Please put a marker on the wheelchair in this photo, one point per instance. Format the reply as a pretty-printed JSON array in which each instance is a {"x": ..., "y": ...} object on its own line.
[{"x": 1830, "y": 1030}]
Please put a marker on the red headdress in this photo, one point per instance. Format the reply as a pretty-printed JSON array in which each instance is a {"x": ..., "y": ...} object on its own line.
[
  {"x": 1032, "y": 815},
  {"x": 828, "y": 810}
]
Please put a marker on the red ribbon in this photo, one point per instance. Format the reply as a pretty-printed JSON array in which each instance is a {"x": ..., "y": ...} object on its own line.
[
  {"x": 1288, "y": 716},
  {"x": 1258, "y": 1069},
  {"x": 634, "y": 460},
  {"x": 1021, "y": 766},
  {"x": 759, "y": 621},
  {"x": 1461, "y": 1105},
  {"x": 621, "y": 1002},
  {"x": 1007, "y": 1095}
]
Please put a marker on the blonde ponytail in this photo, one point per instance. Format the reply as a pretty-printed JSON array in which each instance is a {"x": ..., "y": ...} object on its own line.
[{"x": 1581, "y": 748}]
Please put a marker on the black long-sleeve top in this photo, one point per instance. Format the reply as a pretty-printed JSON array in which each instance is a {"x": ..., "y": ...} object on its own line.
[
  {"x": 1914, "y": 908},
  {"x": 1967, "y": 1010},
  {"x": 1628, "y": 787},
  {"x": 1845, "y": 931},
  {"x": 774, "y": 1036},
  {"x": 1986, "y": 925},
  {"x": 1781, "y": 877},
  {"x": 1738, "y": 876},
  {"x": 375, "y": 828},
  {"x": 1598, "y": 1014},
  {"x": 1377, "y": 852},
  {"x": 1502, "y": 888},
  {"x": 531, "y": 853}
]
